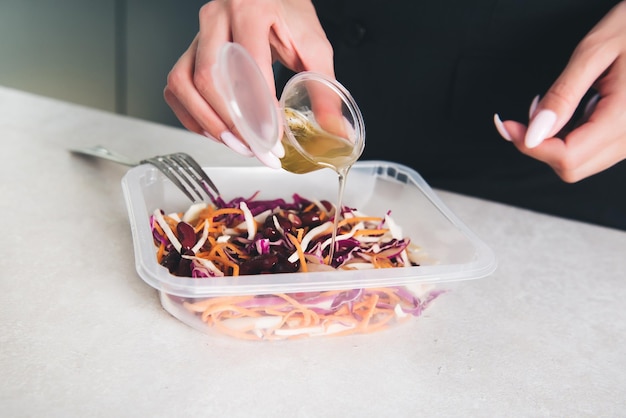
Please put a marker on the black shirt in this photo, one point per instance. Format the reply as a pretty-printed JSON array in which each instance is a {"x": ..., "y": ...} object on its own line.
[{"x": 428, "y": 77}]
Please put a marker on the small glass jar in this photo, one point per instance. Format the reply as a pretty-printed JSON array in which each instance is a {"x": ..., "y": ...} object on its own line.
[{"x": 322, "y": 124}]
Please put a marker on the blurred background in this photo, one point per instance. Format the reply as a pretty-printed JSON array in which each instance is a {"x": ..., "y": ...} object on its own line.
[{"x": 109, "y": 54}]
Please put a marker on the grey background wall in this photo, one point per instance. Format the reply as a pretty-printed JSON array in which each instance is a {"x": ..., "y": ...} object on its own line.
[{"x": 109, "y": 54}]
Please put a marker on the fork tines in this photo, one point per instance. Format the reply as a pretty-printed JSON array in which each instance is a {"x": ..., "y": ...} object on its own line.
[{"x": 181, "y": 166}]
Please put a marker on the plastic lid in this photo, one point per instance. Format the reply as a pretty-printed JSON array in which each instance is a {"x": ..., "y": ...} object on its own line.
[{"x": 242, "y": 86}]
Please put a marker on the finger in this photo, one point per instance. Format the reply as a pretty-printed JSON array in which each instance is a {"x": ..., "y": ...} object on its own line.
[
  {"x": 179, "y": 83},
  {"x": 533, "y": 106},
  {"x": 212, "y": 126},
  {"x": 299, "y": 42},
  {"x": 181, "y": 113},
  {"x": 510, "y": 130},
  {"x": 592, "y": 147},
  {"x": 269, "y": 159},
  {"x": 600, "y": 142},
  {"x": 196, "y": 113},
  {"x": 235, "y": 144},
  {"x": 504, "y": 133},
  {"x": 209, "y": 108},
  {"x": 326, "y": 105},
  {"x": 558, "y": 105},
  {"x": 252, "y": 33},
  {"x": 251, "y": 28}
]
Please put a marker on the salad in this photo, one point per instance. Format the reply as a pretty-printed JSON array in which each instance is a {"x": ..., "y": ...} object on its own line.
[{"x": 247, "y": 236}]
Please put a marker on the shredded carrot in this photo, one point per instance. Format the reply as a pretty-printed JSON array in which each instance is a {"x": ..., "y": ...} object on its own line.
[
  {"x": 158, "y": 228},
  {"x": 381, "y": 262},
  {"x": 368, "y": 306},
  {"x": 233, "y": 308},
  {"x": 370, "y": 232},
  {"x": 200, "y": 226},
  {"x": 160, "y": 252},
  {"x": 353, "y": 220},
  {"x": 215, "y": 231},
  {"x": 296, "y": 243},
  {"x": 171, "y": 222},
  {"x": 226, "y": 211},
  {"x": 373, "y": 311},
  {"x": 222, "y": 243},
  {"x": 357, "y": 219}
]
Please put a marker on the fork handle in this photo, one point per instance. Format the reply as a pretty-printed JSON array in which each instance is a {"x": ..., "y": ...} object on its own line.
[{"x": 101, "y": 152}]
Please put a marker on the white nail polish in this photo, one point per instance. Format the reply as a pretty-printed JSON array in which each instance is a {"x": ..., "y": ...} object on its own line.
[
  {"x": 500, "y": 127},
  {"x": 539, "y": 128},
  {"x": 533, "y": 106},
  {"x": 232, "y": 142},
  {"x": 269, "y": 159},
  {"x": 278, "y": 149}
]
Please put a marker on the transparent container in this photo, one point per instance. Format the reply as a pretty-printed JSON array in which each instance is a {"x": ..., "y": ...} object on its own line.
[
  {"x": 448, "y": 250},
  {"x": 321, "y": 124}
]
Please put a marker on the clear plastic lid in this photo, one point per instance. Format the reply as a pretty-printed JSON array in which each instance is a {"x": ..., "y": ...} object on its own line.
[
  {"x": 252, "y": 108},
  {"x": 319, "y": 107}
]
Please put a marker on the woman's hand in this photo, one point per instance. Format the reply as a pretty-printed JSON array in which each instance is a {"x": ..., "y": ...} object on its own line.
[
  {"x": 579, "y": 149},
  {"x": 270, "y": 30}
]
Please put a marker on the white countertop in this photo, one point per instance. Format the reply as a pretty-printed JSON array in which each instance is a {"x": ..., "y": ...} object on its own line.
[{"x": 81, "y": 335}]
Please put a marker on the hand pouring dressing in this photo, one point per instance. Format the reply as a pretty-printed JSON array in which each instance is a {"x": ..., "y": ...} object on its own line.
[{"x": 322, "y": 124}]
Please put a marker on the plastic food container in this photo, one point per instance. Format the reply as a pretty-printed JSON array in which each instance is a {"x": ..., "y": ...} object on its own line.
[{"x": 449, "y": 252}]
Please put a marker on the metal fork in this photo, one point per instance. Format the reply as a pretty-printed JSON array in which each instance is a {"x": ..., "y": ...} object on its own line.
[{"x": 179, "y": 167}]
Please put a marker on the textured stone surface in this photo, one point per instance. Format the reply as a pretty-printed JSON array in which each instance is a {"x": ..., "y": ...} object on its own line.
[{"x": 82, "y": 335}]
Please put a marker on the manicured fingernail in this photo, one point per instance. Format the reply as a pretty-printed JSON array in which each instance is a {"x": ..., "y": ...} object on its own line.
[
  {"x": 533, "y": 106},
  {"x": 232, "y": 142},
  {"x": 500, "y": 127},
  {"x": 269, "y": 159},
  {"x": 208, "y": 135},
  {"x": 278, "y": 150},
  {"x": 539, "y": 128}
]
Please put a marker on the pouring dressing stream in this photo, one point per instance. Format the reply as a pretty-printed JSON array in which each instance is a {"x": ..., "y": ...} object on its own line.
[{"x": 322, "y": 124}]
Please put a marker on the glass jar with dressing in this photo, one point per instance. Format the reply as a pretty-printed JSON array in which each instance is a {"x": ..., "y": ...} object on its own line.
[{"x": 321, "y": 123}]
